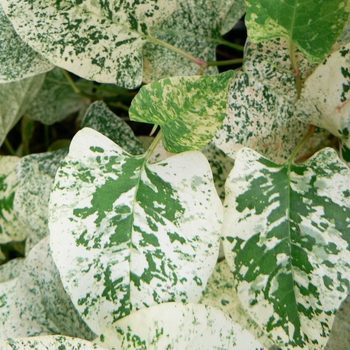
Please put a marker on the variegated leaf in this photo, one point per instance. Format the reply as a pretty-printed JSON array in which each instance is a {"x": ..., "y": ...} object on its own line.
[
  {"x": 287, "y": 241},
  {"x": 7, "y": 291},
  {"x": 99, "y": 41},
  {"x": 18, "y": 60},
  {"x": 134, "y": 234},
  {"x": 40, "y": 305},
  {"x": 178, "y": 326},
  {"x": 195, "y": 28},
  {"x": 313, "y": 25},
  {"x": 10, "y": 227},
  {"x": 55, "y": 100},
  {"x": 48, "y": 342},
  {"x": 221, "y": 294},
  {"x": 15, "y": 98},
  {"x": 258, "y": 118},
  {"x": 103, "y": 120},
  {"x": 325, "y": 98},
  {"x": 189, "y": 109},
  {"x": 11, "y": 269},
  {"x": 35, "y": 174}
]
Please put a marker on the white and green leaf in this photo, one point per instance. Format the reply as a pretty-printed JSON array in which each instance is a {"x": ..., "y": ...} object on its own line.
[
  {"x": 190, "y": 326},
  {"x": 188, "y": 109},
  {"x": 312, "y": 25},
  {"x": 287, "y": 241},
  {"x": 18, "y": 60},
  {"x": 134, "y": 234},
  {"x": 15, "y": 98},
  {"x": 102, "y": 119}
]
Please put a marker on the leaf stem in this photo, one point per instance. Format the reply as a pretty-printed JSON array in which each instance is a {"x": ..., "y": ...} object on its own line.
[
  {"x": 9, "y": 147},
  {"x": 229, "y": 44},
  {"x": 302, "y": 143},
  {"x": 225, "y": 63},
  {"x": 71, "y": 82},
  {"x": 295, "y": 68},
  {"x": 153, "y": 144}
]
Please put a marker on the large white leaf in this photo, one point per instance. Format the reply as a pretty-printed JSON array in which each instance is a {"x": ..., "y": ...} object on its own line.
[
  {"x": 14, "y": 100},
  {"x": 287, "y": 241},
  {"x": 40, "y": 305},
  {"x": 134, "y": 234},
  {"x": 18, "y": 60},
  {"x": 99, "y": 41},
  {"x": 178, "y": 326},
  {"x": 7, "y": 292}
]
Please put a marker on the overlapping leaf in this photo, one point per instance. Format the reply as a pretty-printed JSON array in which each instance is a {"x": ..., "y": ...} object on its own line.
[
  {"x": 18, "y": 60},
  {"x": 134, "y": 234},
  {"x": 189, "y": 109},
  {"x": 287, "y": 241},
  {"x": 103, "y": 120},
  {"x": 190, "y": 326},
  {"x": 312, "y": 25},
  {"x": 15, "y": 98},
  {"x": 40, "y": 305}
]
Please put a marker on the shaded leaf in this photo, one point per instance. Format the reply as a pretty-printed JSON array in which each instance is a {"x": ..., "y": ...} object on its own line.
[
  {"x": 189, "y": 327},
  {"x": 133, "y": 233},
  {"x": 312, "y": 25},
  {"x": 189, "y": 109},
  {"x": 18, "y": 60},
  {"x": 287, "y": 241},
  {"x": 234, "y": 14},
  {"x": 40, "y": 305},
  {"x": 103, "y": 120},
  {"x": 55, "y": 100},
  {"x": 15, "y": 98},
  {"x": 11, "y": 269}
]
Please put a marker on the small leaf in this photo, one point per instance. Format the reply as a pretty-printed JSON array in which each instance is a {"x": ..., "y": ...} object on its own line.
[
  {"x": 287, "y": 241},
  {"x": 190, "y": 326},
  {"x": 312, "y": 25},
  {"x": 189, "y": 109},
  {"x": 18, "y": 60},
  {"x": 15, "y": 98},
  {"x": 103, "y": 120},
  {"x": 133, "y": 233}
]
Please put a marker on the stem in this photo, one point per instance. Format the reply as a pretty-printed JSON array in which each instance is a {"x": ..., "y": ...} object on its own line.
[
  {"x": 9, "y": 147},
  {"x": 302, "y": 143},
  {"x": 296, "y": 71},
  {"x": 225, "y": 63},
  {"x": 71, "y": 82},
  {"x": 227, "y": 43},
  {"x": 120, "y": 105},
  {"x": 153, "y": 144}
]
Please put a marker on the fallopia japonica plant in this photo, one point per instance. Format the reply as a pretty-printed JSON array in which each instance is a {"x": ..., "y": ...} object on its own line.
[{"x": 231, "y": 230}]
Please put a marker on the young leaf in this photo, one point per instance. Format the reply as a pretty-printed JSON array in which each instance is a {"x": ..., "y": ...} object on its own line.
[
  {"x": 55, "y": 100},
  {"x": 99, "y": 41},
  {"x": 287, "y": 241},
  {"x": 40, "y": 305},
  {"x": 48, "y": 342},
  {"x": 10, "y": 227},
  {"x": 15, "y": 98},
  {"x": 190, "y": 326},
  {"x": 133, "y": 233},
  {"x": 189, "y": 109},
  {"x": 18, "y": 60},
  {"x": 313, "y": 25},
  {"x": 103, "y": 120}
]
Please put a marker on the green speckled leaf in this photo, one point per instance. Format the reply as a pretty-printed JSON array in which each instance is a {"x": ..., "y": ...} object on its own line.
[
  {"x": 40, "y": 305},
  {"x": 221, "y": 294},
  {"x": 98, "y": 40},
  {"x": 234, "y": 14},
  {"x": 18, "y": 60},
  {"x": 11, "y": 269},
  {"x": 55, "y": 100},
  {"x": 15, "y": 98},
  {"x": 35, "y": 174},
  {"x": 260, "y": 119},
  {"x": 7, "y": 291},
  {"x": 103, "y": 120},
  {"x": 287, "y": 241},
  {"x": 189, "y": 109},
  {"x": 313, "y": 25},
  {"x": 10, "y": 227},
  {"x": 58, "y": 342},
  {"x": 178, "y": 326},
  {"x": 133, "y": 233}
]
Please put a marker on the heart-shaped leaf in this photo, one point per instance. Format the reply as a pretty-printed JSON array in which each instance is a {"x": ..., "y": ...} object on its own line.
[
  {"x": 189, "y": 109},
  {"x": 287, "y": 241},
  {"x": 178, "y": 326},
  {"x": 18, "y": 60},
  {"x": 133, "y": 233},
  {"x": 312, "y": 25}
]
